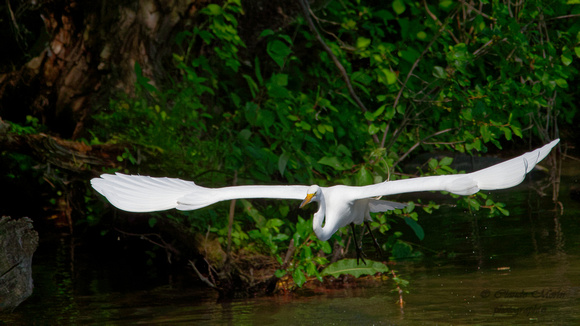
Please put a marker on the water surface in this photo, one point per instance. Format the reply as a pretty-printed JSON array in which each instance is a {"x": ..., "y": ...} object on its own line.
[{"x": 516, "y": 269}]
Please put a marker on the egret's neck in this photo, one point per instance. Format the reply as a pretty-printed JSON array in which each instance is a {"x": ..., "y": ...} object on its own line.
[{"x": 323, "y": 233}]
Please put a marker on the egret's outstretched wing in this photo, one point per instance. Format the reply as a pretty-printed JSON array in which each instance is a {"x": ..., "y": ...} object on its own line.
[
  {"x": 135, "y": 193},
  {"x": 500, "y": 176},
  {"x": 376, "y": 205},
  {"x": 202, "y": 197}
]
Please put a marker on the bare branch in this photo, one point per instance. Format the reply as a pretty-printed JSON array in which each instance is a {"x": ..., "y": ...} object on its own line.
[
  {"x": 440, "y": 23},
  {"x": 477, "y": 10},
  {"x": 419, "y": 143},
  {"x": 415, "y": 64},
  {"x": 343, "y": 73},
  {"x": 201, "y": 277}
]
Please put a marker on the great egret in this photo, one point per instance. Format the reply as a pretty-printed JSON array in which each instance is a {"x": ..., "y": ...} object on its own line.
[{"x": 340, "y": 205}]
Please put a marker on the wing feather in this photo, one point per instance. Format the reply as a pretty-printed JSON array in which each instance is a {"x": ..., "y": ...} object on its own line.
[
  {"x": 376, "y": 205},
  {"x": 500, "y": 176},
  {"x": 136, "y": 193}
]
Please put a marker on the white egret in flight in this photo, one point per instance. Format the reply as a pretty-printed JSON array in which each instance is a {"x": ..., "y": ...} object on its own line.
[{"x": 339, "y": 205}]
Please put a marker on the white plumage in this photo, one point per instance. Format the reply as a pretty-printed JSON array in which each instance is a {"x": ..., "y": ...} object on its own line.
[{"x": 339, "y": 205}]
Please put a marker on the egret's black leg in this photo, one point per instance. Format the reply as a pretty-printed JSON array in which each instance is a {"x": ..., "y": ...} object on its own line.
[
  {"x": 374, "y": 239},
  {"x": 359, "y": 253}
]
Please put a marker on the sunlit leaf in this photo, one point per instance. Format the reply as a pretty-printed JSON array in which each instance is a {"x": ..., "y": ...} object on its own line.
[
  {"x": 446, "y": 161},
  {"x": 362, "y": 43},
  {"x": 439, "y": 72},
  {"x": 566, "y": 58},
  {"x": 350, "y": 267}
]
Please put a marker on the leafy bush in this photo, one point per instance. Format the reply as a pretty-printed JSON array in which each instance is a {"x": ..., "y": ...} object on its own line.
[{"x": 448, "y": 75}]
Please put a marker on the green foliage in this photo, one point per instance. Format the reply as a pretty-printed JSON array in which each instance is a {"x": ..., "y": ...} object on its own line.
[
  {"x": 32, "y": 126},
  {"x": 441, "y": 76}
]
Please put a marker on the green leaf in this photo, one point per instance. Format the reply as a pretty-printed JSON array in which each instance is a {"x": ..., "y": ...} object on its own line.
[
  {"x": 362, "y": 43},
  {"x": 299, "y": 277},
  {"x": 410, "y": 54},
  {"x": 266, "y": 32},
  {"x": 507, "y": 133},
  {"x": 433, "y": 164},
  {"x": 446, "y": 161},
  {"x": 446, "y": 4},
  {"x": 212, "y": 9},
  {"x": 566, "y": 58},
  {"x": 577, "y": 51},
  {"x": 258, "y": 218},
  {"x": 350, "y": 267},
  {"x": 326, "y": 247},
  {"x": 439, "y": 72},
  {"x": 402, "y": 250},
  {"x": 278, "y": 51},
  {"x": 386, "y": 76},
  {"x": 363, "y": 177},
  {"x": 245, "y": 134},
  {"x": 333, "y": 162},
  {"x": 282, "y": 162},
  {"x": 399, "y": 6},
  {"x": 258, "y": 71},
  {"x": 517, "y": 131},
  {"x": 473, "y": 203},
  {"x": 390, "y": 112},
  {"x": 280, "y": 79},
  {"x": 505, "y": 212},
  {"x": 373, "y": 129},
  {"x": 152, "y": 222},
  {"x": 304, "y": 125},
  {"x": 251, "y": 84},
  {"x": 419, "y": 232},
  {"x": 265, "y": 118},
  {"x": 562, "y": 83},
  {"x": 422, "y": 35}
]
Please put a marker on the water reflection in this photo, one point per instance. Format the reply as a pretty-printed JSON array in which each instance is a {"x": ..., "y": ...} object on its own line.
[{"x": 522, "y": 268}]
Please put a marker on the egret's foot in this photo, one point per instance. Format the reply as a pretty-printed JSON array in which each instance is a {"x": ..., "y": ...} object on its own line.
[
  {"x": 360, "y": 255},
  {"x": 359, "y": 252},
  {"x": 374, "y": 239}
]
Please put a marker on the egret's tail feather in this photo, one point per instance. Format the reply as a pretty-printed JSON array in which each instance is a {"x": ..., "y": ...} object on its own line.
[{"x": 376, "y": 205}]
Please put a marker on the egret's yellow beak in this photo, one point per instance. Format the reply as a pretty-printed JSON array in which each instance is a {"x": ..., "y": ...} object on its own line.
[{"x": 307, "y": 200}]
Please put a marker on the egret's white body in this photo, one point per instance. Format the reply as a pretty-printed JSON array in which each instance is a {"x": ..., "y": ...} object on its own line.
[{"x": 339, "y": 205}]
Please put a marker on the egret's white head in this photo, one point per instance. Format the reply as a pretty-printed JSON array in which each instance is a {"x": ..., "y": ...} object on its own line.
[{"x": 313, "y": 194}]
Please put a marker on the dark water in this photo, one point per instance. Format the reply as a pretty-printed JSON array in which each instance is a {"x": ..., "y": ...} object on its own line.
[{"x": 519, "y": 269}]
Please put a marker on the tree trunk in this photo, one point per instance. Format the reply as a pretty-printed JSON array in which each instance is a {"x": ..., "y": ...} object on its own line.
[
  {"x": 90, "y": 54},
  {"x": 91, "y": 48}
]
